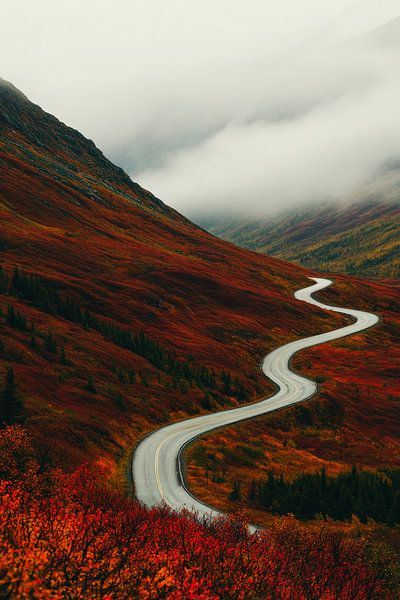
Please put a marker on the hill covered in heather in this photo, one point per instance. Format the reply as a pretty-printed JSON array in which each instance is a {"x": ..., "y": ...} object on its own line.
[
  {"x": 117, "y": 313},
  {"x": 360, "y": 238}
]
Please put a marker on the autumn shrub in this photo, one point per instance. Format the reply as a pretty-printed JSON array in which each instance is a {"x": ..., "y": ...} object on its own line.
[
  {"x": 17, "y": 457},
  {"x": 85, "y": 540}
]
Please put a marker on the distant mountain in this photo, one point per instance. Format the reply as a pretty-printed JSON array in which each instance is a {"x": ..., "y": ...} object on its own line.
[{"x": 361, "y": 238}]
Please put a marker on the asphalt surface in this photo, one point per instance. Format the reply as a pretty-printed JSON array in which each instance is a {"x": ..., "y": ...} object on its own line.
[{"x": 156, "y": 465}]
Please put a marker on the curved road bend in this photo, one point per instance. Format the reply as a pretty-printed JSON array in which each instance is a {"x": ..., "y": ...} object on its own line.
[{"x": 156, "y": 461}]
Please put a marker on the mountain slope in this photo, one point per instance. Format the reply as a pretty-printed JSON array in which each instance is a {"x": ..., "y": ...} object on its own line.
[
  {"x": 100, "y": 261},
  {"x": 361, "y": 238},
  {"x": 89, "y": 261},
  {"x": 65, "y": 151},
  {"x": 123, "y": 315}
]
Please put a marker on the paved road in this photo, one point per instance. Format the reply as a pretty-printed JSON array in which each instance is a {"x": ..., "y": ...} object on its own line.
[{"x": 156, "y": 461}]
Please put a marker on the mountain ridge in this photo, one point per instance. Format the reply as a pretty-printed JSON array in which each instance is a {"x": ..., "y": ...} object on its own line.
[
  {"x": 359, "y": 238},
  {"x": 18, "y": 115}
]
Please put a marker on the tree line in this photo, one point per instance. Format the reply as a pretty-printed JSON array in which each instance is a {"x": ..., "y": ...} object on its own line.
[
  {"x": 11, "y": 404},
  {"x": 39, "y": 293},
  {"x": 366, "y": 494}
]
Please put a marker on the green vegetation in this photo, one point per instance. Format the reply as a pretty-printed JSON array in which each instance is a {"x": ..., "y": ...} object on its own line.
[
  {"x": 16, "y": 319},
  {"x": 11, "y": 405},
  {"x": 366, "y": 494},
  {"x": 361, "y": 238},
  {"x": 43, "y": 295},
  {"x": 90, "y": 385}
]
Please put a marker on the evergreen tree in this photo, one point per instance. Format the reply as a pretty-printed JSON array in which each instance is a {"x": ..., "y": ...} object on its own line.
[
  {"x": 120, "y": 402},
  {"x": 362, "y": 493},
  {"x": 90, "y": 386},
  {"x": 3, "y": 282},
  {"x": 235, "y": 495},
  {"x": 11, "y": 405},
  {"x": 121, "y": 376},
  {"x": 394, "y": 515},
  {"x": 205, "y": 402},
  {"x": 226, "y": 383},
  {"x": 252, "y": 491},
  {"x": 240, "y": 390},
  {"x": 50, "y": 343},
  {"x": 63, "y": 356},
  {"x": 16, "y": 319}
]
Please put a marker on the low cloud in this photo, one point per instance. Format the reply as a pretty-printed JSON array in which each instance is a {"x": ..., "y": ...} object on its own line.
[
  {"x": 245, "y": 104},
  {"x": 327, "y": 124}
]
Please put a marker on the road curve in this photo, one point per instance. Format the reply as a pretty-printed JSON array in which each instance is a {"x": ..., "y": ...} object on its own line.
[{"x": 156, "y": 467}]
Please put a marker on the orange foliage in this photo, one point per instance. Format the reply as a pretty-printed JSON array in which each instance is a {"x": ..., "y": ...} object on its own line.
[{"x": 79, "y": 539}]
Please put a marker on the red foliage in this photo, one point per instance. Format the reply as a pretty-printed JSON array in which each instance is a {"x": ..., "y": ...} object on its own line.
[
  {"x": 82, "y": 540},
  {"x": 73, "y": 218},
  {"x": 355, "y": 419},
  {"x": 77, "y": 221}
]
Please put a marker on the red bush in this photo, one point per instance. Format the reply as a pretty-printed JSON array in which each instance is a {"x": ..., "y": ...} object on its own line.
[{"x": 73, "y": 545}]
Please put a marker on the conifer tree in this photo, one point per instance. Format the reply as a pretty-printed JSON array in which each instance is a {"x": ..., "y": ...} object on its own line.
[
  {"x": 63, "y": 356},
  {"x": 90, "y": 385},
  {"x": 50, "y": 343},
  {"x": 205, "y": 402},
  {"x": 252, "y": 491},
  {"x": 120, "y": 402},
  {"x": 11, "y": 405},
  {"x": 3, "y": 282},
  {"x": 235, "y": 494},
  {"x": 16, "y": 319}
]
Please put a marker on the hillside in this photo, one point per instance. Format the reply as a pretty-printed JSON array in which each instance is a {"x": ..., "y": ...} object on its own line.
[
  {"x": 360, "y": 238},
  {"x": 87, "y": 541},
  {"x": 118, "y": 314}
]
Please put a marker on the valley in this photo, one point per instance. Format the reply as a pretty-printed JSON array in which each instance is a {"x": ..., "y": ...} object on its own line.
[
  {"x": 120, "y": 317},
  {"x": 157, "y": 467},
  {"x": 359, "y": 235}
]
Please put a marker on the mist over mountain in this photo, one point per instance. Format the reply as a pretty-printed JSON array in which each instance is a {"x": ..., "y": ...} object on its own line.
[
  {"x": 385, "y": 36},
  {"x": 357, "y": 237},
  {"x": 318, "y": 124},
  {"x": 118, "y": 316},
  {"x": 134, "y": 293},
  {"x": 263, "y": 105}
]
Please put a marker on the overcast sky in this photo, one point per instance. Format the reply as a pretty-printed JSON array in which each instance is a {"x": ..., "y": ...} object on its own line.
[{"x": 254, "y": 104}]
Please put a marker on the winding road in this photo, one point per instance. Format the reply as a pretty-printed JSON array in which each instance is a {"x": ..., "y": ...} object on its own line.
[{"x": 156, "y": 464}]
